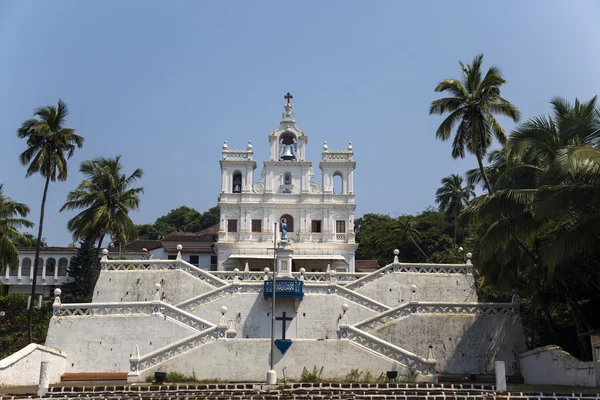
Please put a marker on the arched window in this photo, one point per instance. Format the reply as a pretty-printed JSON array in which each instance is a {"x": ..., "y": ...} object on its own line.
[
  {"x": 338, "y": 183},
  {"x": 287, "y": 147},
  {"x": 40, "y": 266},
  {"x": 289, "y": 220},
  {"x": 237, "y": 182},
  {"x": 50, "y": 265},
  {"x": 26, "y": 267},
  {"x": 287, "y": 178},
  {"x": 63, "y": 263}
]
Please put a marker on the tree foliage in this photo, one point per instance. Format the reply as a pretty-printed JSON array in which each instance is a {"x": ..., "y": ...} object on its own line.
[
  {"x": 49, "y": 145},
  {"x": 379, "y": 234},
  {"x": 183, "y": 219},
  {"x": 12, "y": 218},
  {"x": 83, "y": 274}
]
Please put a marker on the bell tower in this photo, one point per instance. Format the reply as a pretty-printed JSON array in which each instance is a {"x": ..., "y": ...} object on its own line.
[{"x": 288, "y": 143}]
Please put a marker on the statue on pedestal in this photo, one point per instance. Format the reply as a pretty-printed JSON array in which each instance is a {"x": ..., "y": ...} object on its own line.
[{"x": 284, "y": 230}]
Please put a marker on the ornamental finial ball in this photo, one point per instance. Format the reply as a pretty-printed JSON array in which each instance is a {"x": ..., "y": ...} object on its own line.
[
  {"x": 157, "y": 286},
  {"x": 105, "y": 252},
  {"x": 469, "y": 255},
  {"x": 223, "y": 309},
  {"x": 236, "y": 270},
  {"x": 325, "y": 147},
  {"x": 345, "y": 307},
  {"x": 303, "y": 270},
  {"x": 179, "y": 247},
  {"x": 267, "y": 270},
  {"x": 225, "y": 147},
  {"x": 57, "y": 292},
  {"x": 396, "y": 252}
]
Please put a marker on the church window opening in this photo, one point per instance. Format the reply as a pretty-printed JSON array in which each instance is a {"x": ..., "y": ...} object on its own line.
[
  {"x": 50, "y": 265},
  {"x": 338, "y": 183},
  {"x": 171, "y": 257},
  {"x": 232, "y": 225},
  {"x": 257, "y": 225},
  {"x": 195, "y": 260},
  {"x": 40, "y": 266},
  {"x": 289, "y": 220},
  {"x": 237, "y": 182},
  {"x": 213, "y": 263},
  {"x": 287, "y": 145},
  {"x": 287, "y": 178},
  {"x": 340, "y": 226},
  {"x": 26, "y": 267},
  {"x": 63, "y": 264},
  {"x": 316, "y": 226}
]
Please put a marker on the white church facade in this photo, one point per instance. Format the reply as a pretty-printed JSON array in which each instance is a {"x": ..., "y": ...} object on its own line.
[
  {"x": 420, "y": 321},
  {"x": 320, "y": 220}
]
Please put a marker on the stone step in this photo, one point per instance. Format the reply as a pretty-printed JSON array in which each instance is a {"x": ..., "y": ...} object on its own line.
[{"x": 94, "y": 376}]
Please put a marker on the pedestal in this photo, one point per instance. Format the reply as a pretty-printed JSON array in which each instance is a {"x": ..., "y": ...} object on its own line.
[{"x": 284, "y": 261}]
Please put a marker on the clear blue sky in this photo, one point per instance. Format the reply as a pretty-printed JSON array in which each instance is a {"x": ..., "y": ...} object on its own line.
[{"x": 164, "y": 83}]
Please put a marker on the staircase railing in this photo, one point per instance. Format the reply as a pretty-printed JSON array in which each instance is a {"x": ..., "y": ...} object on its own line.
[
  {"x": 206, "y": 298},
  {"x": 132, "y": 308},
  {"x": 358, "y": 298},
  {"x": 313, "y": 277},
  {"x": 417, "y": 307},
  {"x": 132, "y": 265},
  {"x": 138, "y": 364},
  {"x": 373, "y": 343},
  {"x": 463, "y": 269}
]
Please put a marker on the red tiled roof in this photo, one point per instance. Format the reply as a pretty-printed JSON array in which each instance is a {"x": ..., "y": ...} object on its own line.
[
  {"x": 139, "y": 245},
  {"x": 48, "y": 249},
  {"x": 199, "y": 250},
  {"x": 366, "y": 265},
  {"x": 207, "y": 234}
]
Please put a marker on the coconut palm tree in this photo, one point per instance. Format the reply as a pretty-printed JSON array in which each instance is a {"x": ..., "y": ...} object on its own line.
[
  {"x": 452, "y": 197},
  {"x": 49, "y": 145},
  {"x": 12, "y": 217},
  {"x": 105, "y": 199},
  {"x": 407, "y": 230},
  {"x": 472, "y": 105}
]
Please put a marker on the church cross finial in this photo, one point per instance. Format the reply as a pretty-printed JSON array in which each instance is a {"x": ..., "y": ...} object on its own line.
[{"x": 288, "y": 97}]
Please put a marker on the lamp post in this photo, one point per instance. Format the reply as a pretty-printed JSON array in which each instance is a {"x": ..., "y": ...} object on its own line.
[{"x": 272, "y": 375}]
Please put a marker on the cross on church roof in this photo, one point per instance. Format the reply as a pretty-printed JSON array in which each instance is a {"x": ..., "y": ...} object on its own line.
[{"x": 288, "y": 97}]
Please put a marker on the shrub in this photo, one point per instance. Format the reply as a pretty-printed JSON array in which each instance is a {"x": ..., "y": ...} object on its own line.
[{"x": 311, "y": 377}]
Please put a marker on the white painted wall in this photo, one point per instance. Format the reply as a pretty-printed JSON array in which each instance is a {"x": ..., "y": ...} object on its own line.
[
  {"x": 23, "y": 367},
  {"x": 221, "y": 359},
  {"x": 138, "y": 285},
  {"x": 551, "y": 365},
  {"x": 394, "y": 289},
  {"x": 462, "y": 344},
  {"x": 105, "y": 343},
  {"x": 316, "y": 317}
]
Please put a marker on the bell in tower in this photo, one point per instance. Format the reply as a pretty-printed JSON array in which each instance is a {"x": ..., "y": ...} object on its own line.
[{"x": 288, "y": 148}]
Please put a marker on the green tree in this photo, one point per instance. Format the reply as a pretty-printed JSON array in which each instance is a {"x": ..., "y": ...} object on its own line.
[
  {"x": 105, "y": 199},
  {"x": 82, "y": 272},
  {"x": 538, "y": 231},
  {"x": 452, "y": 197},
  {"x": 49, "y": 145},
  {"x": 28, "y": 240},
  {"x": 12, "y": 218},
  {"x": 407, "y": 230},
  {"x": 473, "y": 103},
  {"x": 184, "y": 219}
]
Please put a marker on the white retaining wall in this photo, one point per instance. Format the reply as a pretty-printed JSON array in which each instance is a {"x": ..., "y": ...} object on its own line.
[
  {"x": 138, "y": 285},
  {"x": 395, "y": 288},
  {"x": 247, "y": 360},
  {"x": 105, "y": 343},
  {"x": 316, "y": 317},
  {"x": 551, "y": 365},
  {"x": 23, "y": 367},
  {"x": 462, "y": 344}
]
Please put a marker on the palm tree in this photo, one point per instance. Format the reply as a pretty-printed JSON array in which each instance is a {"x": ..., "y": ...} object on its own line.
[
  {"x": 453, "y": 197},
  {"x": 105, "y": 198},
  {"x": 12, "y": 217},
  {"x": 473, "y": 104},
  {"x": 49, "y": 145},
  {"x": 407, "y": 230}
]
